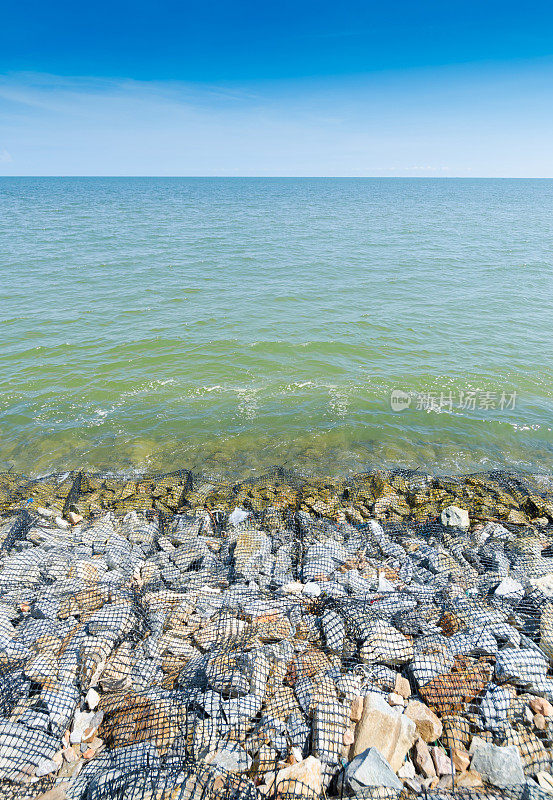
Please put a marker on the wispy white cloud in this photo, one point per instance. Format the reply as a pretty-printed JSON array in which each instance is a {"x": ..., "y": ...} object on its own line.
[
  {"x": 5, "y": 157},
  {"x": 367, "y": 125}
]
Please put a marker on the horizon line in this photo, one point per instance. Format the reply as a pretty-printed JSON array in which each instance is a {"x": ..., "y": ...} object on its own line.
[{"x": 309, "y": 177}]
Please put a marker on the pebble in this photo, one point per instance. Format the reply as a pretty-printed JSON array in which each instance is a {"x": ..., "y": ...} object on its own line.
[{"x": 92, "y": 699}]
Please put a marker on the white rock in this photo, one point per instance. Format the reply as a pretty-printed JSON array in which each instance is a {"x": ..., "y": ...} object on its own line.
[
  {"x": 311, "y": 589},
  {"x": 46, "y": 512},
  {"x": 407, "y": 770},
  {"x": 238, "y": 516},
  {"x": 384, "y": 585},
  {"x": 455, "y": 517},
  {"x": 544, "y": 584},
  {"x": 510, "y": 589},
  {"x": 45, "y": 767},
  {"x": 92, "y": 699}
]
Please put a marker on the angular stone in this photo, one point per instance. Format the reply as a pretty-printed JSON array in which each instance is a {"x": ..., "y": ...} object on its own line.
[
  {"x": 540, "y": 705},
  {"x": 334, "y": 629},
  {"x": 451, "y": 691},
  {"x": 356, "y": 710},
  {"x": 442, "y": 763},
  {"x": 308, "y": 664},
  {"x": 546, "y": 631},
  {"x": 406, "y": 771},
  {"x": 385, "y": 644},
  {"x": 456, "y": 731},
  {"x": 423, "y": 759},
  {"x": 395, "y": 699},
  {"x": 526, "y": 668},
  {"x": 455, "y": 517},
  {"x": 231, "y": 757},
  {"x": 545, "y": 780},
  {"x": 251, "y": 548},
  {"x": 429, "y": 726},
  {"x": 402, "y": 687},
  {"x": 533, "y": 754},
  {"x": 460, "y": 759},
  {"x": 329, "y": 725},
  {"x": 370, "y": 769},
  {"x": 391, "y": 733},
  {"x": 495, "y": 706},
  {"x": 218, "y": 630},
  {"x": 469, "y": 780},
  {"x": 500, "y": 766},
  {"x": 509, "y": 589},
  {"x": 307, "y": 773},
  {"x": 92, "y": 699}
]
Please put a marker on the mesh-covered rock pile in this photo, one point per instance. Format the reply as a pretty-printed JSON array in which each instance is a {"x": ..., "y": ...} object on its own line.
[{"x": 272, "y": 652}]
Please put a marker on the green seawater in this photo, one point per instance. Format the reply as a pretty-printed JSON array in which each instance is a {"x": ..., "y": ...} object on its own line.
[{"x": 232, "y": 324}]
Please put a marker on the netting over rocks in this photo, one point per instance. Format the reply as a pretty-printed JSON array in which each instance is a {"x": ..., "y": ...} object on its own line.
[{"x": 175, "y": 638}]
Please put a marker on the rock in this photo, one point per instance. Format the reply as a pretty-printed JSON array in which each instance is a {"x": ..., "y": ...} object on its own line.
[
  {"x": 414, "y": 785},
  {"x": 311, "y": 589},
  {"x": 251, "y": 548},
  {"x": 307, "y": 772},
  {"x": 426, "y": 667},
  {"x": 423, "y": 759},
  {"x": 468, "y": 780},
  {"x": 329, "y": 725},
  {"x": 406, "y": 771},
  {"x": 450, "y": 691},
  {"x": 391, "y": 733},
  {"x": 544, "y": 584},
  {"x": 546, "y": 631},
  {"x": 540, "y": 705},
  {"x": 356, "y": 710},
  {"x": 238, "y": 516},
  {"x": 460, "y": 759},
  {"x": 402, "y": 687},
  {"x": 395, "y": 699},
  {"x": 92, "y": 699},
  {"x": 21, "y": 749},
  {"x": 455, "y": 517},
  {"x": 349, "y": 686},
  {"x": 495, "y": 707},
  {"x": 500, "y": 766},
  {"x": 370, "y": 769},
  {"x": 73, "y": 518},
  {"x": 509, "y": 589},
  {"x": 442, "y": 763},
  {"x": 533, "y": 754},
  {"x": 429, "y": 726},
  {"x": 539, "y": 722},
  {"x": 45, "y": 767},
  {"x": 526, "y": 668},
  {"x": 517, "y": 517},
  {"x": 386, "y": 645},
  {"x": 231, "y": 757},
  {"x": 334, "y": 629},
  {"x": 456, "y": 731},
  {"x": 545, "y": 780},
  {"x": 348, "y": 738}
]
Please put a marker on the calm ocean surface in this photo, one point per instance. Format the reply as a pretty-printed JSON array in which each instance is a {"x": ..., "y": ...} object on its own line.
[{"x": 232, "y": 324}]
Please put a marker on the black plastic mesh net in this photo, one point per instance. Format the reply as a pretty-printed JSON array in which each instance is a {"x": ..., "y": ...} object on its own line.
[{"x": 176, "y": 637}]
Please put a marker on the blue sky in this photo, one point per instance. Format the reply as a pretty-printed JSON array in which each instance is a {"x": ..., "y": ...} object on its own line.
[{"x": 288, "y": 88}]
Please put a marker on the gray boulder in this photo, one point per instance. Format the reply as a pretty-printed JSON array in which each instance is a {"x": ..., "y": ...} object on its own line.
[
  {"x": 369, "y": 769},
  {"x": 500, "y": 766}
]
